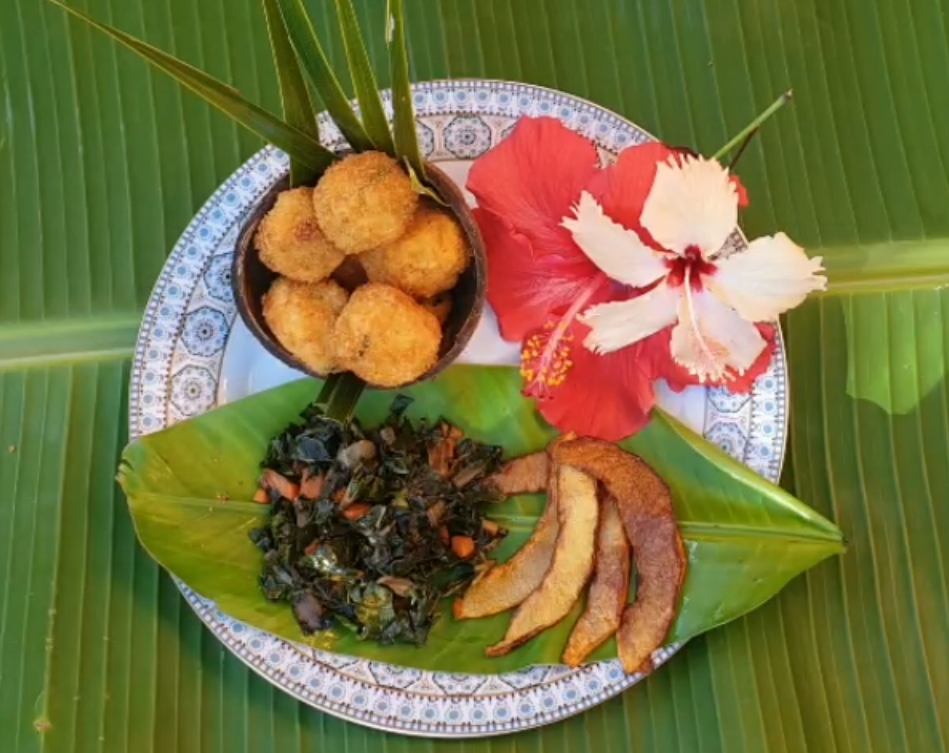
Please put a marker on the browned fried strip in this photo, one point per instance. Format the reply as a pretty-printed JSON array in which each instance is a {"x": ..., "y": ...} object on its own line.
[
  {"x": 525, "y": 475},
  {"x": 608, "y": 591},
  {"x": 645, "y": 506},
  {"x": 506, "y": 585},
  {"x": 570, "y": 568}
]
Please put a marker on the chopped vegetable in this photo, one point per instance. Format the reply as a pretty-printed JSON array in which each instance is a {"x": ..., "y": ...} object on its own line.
[
  {"x": 370, "y": 530},
  {"x": 356, "y": 511},
  {"x": 463, "y": 547}
]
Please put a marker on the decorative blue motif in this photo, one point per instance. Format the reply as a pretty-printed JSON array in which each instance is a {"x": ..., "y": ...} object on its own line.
[{"x": 205, "y": 331}]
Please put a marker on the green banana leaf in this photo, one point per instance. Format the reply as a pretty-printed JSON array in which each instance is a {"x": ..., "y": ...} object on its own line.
[
  {"x": 189, "y": 489},
  {"x": 98, "y": 652}
]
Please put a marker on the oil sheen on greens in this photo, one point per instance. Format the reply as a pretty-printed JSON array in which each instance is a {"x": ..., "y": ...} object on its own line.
[{"x": 373, "y": 547}]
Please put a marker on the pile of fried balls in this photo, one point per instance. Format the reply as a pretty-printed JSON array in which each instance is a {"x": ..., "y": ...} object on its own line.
[{"x": 363, "y": 213}]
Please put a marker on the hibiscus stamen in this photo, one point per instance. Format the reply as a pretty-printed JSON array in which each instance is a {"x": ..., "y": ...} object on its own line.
[
  {"x": 545, "y": 356},
  {"x": 711, "y": 363}
]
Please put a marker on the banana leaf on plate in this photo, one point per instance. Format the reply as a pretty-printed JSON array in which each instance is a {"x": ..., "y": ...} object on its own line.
[{"x": 190, "y": 486}]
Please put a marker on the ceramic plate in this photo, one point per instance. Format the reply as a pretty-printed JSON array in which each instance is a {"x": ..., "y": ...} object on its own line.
[{"x": 193, "y": 354}]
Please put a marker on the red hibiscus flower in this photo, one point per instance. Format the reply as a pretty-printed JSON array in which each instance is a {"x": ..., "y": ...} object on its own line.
[{"x": 605, "y": 303}]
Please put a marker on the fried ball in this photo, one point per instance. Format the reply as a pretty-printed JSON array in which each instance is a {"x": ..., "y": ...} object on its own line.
[
  {"x": 301, "y": 316},
  {"x": 290, "y": 241},
  {"x": 385, "y": 337},
  {"x": 424, "y": 262},
  {"x": 364, "y": 201}
]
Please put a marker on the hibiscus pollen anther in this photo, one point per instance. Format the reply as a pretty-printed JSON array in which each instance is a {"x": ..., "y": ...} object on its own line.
[
  {"x": 545, "y": 361},
  {"x": 545, "y": 355}
]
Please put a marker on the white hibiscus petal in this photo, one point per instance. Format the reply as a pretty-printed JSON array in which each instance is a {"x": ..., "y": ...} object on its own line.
[
  {"x": 711, "y": 336},
  {"x": 617, "y": 325},
  {"x": 692, "y": 204},
  {"x": 614, "y": 249},
  {"x": 772, "y": 276}
]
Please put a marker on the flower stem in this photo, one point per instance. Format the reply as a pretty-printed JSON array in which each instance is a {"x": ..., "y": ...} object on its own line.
[
  {"x": 741, "y": 149},
  {"x": 753, "y": 125}
]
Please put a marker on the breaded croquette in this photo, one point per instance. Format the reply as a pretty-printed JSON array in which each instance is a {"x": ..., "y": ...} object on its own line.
[
  {"x": 301, "y": 316},
  {"x": 385, "y": 337},
  {"x": 290, "y": 241},
  {"x": 364, "y": 201},
  {"x": 426, "y": 260}
]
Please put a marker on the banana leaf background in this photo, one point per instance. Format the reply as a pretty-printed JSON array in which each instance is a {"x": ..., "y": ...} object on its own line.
[{"x": 102, "y": 165}]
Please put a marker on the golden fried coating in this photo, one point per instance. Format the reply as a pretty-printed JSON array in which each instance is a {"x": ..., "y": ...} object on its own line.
[
  {"x": 426, "y": 260},
  {"x": 385, "y": 337},
  {"x": 364, "y": 201},
  {"x": 290, "y": 241},
  {"x": 301, "y": 316}
]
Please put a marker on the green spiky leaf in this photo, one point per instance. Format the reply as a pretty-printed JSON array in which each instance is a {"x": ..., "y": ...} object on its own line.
[
  {"x": 403, "y": 120},
  {"x": 297, "y": 108},
  {"x": 317, "y": 67},
  {"x": 297, "y": 144},
  {"x": 364, "y": 80}
]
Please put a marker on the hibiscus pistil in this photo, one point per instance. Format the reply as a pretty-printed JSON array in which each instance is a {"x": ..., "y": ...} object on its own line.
[
  {"x": 690, "y": 266},
  {"x": 545, "y": 356}
]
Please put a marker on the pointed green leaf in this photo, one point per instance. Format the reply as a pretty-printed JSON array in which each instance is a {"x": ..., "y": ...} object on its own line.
[
  {"x": 340, "y": 395},
  {"x": 317, "y": 67},
  {"x": 420, "y": 187},
  {"x": 746, "y": 538},
  {"x": 296, "y": 143},
  {"x": 364, "y": 80},
  {"x": 294, "y": 95},
  {"x": 403, "y": 118}
]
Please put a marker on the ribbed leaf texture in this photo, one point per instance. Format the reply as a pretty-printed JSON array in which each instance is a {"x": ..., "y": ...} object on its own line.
[{"x": 104, "y": 163}]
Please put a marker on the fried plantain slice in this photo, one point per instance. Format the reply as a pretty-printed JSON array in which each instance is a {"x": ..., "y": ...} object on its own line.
[
  {"x": 571, "y": 567},
  {"x": 608, "y": 590},
  {"x": 506, "y": 585},
  {"x": 645, "y": 506},
  {"x": 524, "y": 475}
]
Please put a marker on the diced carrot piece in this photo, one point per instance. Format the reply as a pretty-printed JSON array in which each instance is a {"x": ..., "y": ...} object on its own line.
[
  {"x": 463, "y": 547},
  {"x": 261, "y": 497},
  {"x": 490, "y": 527},
  {"x": 312, "y": 486},
  {"x": 356, "y": 511},
  {"x": 281, "y": 484}
]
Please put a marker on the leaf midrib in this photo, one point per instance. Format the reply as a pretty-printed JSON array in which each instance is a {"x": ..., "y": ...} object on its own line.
[
  {"x": 886, "y": 267},
  {"x": 883, "y": 267},
  {"x": 693, "y": 530},
  {"x": 95, "y": 338}
]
